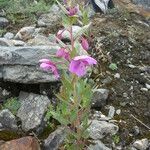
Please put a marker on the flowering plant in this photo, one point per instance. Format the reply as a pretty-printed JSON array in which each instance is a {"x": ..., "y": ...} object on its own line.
[{"x": 75, "y": 94}]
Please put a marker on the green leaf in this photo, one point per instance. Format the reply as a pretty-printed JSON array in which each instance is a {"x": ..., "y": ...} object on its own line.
[
  {"x": 82, "y": 31},
  {"x": 113, "y": 66},
  {"x": 66, "y": 82},
  {"x": 66, "y": 21},
  {"x": 62, "y": 7},
  {"x": 13, "y": 105},
  {"x": 73, "y": 53},
  {"x": 59, "y": 118}
]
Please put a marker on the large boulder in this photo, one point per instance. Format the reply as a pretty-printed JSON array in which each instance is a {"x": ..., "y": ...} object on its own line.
[
  {"x": 32, "y": 110},
  {"x": 24, "y": 143},
  {"x": 21, "y": 64}
]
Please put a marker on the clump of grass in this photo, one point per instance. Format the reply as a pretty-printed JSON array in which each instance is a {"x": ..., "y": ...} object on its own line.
[
  {"x": 2, "y": 31},
  {"x": 17, "y": 10},
  {"x": 12, "y": 104}
]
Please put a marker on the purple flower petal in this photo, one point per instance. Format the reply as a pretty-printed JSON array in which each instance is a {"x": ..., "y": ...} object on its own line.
[
  {"x": 78, "y": 68},
  {"x": 79, "y": 64},
  {"x": 62, "y": 52},
  {"x": 84, "y": 43},
  {"x": 88, "y": 59},
  {"x": 48, "y": 65}
]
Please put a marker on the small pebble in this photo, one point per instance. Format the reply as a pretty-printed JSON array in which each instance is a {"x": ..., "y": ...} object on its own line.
[
  {"x": 147, "y": 86},
  {"x": 111, "y": 112},
  {"x": 117, "y": 75},
  {"x": 118, "y": 111},
  {"x": 125, "y": 95},
  {"x": 136, "y": 130},
  {"x": 132, "y": 66},
  {"x": 144, "y": 89}
]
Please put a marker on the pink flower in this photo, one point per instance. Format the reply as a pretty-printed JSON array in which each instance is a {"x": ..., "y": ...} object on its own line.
[
  {"x": 47, "y": 65},
  {"x": 79, "y": 64},
  {"x": 84, "y": 43},
  {"x": 72, "y": 11},
  {"x": 62, "y": 52}
]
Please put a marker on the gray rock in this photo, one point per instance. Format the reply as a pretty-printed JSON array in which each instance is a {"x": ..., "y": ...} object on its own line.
[
  {"x": 8, "y": 42},
  {"x": 9, "y": 35},
  {"x": 25, "y": 33},
  {"x": 40, "y": 40},
  {"x": 141, "y": 144},
  {"x": 117, "y": 76},
  {"x": 111, "y": 112},
  {"x": 5, "y": 42},
  {"x": 3, "y": 22},
  {"x": 8, "y": 120},
  {"x": 39, "y": 31},
  {"x": 147, "y": 86},
  {"x": 51, "y": 19},
  {"x": 21, "y": 64},
  {"x": 136, "y": 130},
  {"x": 99, "y": 129},
  {"x": 55, "y": 139},
  {"x": 18, "y": 42},
  {"x": 107, "y": 81},
  {"x": 32, "y": 110},
  {"x": 132, "y": 148},
  {"x": 99, "y": 98},
  {"x": 4, "y": 94},
  {"x": 98, "y": 146}
]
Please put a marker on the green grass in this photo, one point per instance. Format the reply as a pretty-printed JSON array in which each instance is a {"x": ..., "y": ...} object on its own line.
[
  {"x": 21, "y": 10},
  {"x": 12, "y": 104}
]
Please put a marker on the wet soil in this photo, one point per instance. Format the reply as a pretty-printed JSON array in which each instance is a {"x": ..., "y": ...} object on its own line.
[{"x": 124, "y": 39}]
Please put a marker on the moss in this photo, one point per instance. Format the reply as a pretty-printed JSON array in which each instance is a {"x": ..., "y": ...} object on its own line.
[{"x": 8, "y": 135}]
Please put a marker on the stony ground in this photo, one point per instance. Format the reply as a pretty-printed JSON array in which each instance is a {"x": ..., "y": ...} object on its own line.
[{"x": 124, "y": 38}]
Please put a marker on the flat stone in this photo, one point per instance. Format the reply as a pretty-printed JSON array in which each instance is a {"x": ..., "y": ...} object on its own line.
[
  {"x": 8, "y": 120},
  {"x": 32, "y": 110},
  {"x": 21, "y": 64},
  {"x": 99, "y": 129},
  {"x": 25, "y": 143}
]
